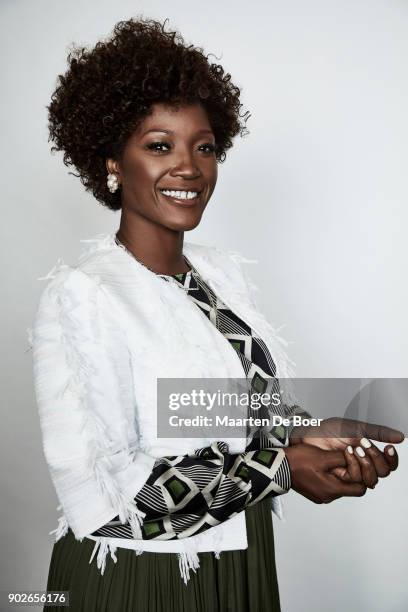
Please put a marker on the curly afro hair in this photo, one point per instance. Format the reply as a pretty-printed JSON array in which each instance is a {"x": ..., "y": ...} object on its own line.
[{"x": 108, "y": 90}]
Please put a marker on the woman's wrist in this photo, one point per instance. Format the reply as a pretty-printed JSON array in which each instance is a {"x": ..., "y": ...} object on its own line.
[{"x": 296, "y": 435}]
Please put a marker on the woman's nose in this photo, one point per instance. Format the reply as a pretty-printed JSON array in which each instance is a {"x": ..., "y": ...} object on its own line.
[{"x": 186, "y": 166}]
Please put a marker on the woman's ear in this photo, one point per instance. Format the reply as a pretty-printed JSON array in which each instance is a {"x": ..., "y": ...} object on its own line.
[{"x": 112, "y": 166}]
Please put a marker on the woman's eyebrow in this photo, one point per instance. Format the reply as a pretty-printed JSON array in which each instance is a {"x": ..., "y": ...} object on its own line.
[{"x": 202, "y": 131}]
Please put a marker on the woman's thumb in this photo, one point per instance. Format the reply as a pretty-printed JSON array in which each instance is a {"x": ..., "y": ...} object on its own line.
[{"x": 334, "y": 458}]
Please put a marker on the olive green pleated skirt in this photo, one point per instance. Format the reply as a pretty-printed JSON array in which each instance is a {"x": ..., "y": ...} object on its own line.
[{"x": 239, "y": 581}]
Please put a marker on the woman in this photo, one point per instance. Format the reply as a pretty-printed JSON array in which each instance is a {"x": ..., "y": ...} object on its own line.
[{"x": 144, "y": 119}]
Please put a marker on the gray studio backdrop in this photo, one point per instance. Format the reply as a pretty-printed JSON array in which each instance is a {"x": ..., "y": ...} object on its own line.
[{"x": 317, "y": 193}]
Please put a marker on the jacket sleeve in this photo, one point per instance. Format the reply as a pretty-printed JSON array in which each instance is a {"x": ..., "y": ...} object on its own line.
[
  {"x": 283, "y": 434},
  {"x": 74, "y": 382},
  {"x": 188, "y": 494}
]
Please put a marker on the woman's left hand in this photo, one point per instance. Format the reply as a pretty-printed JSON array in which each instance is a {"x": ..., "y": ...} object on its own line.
[{"x": 367, "y": 464}]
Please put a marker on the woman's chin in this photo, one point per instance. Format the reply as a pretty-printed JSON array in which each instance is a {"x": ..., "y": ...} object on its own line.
[{"x": 183, "y": 225}]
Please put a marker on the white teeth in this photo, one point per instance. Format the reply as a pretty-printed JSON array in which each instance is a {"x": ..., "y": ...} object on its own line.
[{"x": 183, "y": 195}]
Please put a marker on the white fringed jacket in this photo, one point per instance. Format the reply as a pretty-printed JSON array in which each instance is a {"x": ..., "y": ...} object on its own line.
[{"x": 104, "y": 331}]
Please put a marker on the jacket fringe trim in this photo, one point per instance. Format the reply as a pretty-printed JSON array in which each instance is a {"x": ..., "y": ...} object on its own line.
[
  {"x": 105, "y": 546},
  {"x": 188, "y": 559},
  {"x": 62, "y": 528}
]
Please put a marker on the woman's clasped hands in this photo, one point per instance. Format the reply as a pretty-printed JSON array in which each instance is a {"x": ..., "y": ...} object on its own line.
[{"x": 338, "y": 459}]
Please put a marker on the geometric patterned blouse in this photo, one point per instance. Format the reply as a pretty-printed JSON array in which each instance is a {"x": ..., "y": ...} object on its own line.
[{"x": 187, "y": 494}]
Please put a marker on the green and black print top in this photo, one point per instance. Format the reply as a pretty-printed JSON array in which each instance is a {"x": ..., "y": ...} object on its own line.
[{"x": 187, "y": 494}]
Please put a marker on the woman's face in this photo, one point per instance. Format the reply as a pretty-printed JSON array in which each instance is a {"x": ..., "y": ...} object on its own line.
[{"x": 171, "y": 151}]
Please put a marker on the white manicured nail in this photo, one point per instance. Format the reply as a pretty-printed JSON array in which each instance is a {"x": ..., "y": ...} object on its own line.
[
  {"x": 350, "y": 450},
  {"x": 391, "y": 451},
  {"x": 364, "y": 442},
  {"x": 360, "y": 451}
]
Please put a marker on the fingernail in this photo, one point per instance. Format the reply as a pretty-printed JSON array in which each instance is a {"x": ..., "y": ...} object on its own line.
[
  {"x": 360, "y": 451},
  {"x": 350, "y": 450},
  {"x": 391, "y": 451},
  {"x": 364, "y": 442}
]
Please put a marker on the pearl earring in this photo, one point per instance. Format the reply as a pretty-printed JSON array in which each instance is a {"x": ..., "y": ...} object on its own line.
[{"x": 112, "y": 182}]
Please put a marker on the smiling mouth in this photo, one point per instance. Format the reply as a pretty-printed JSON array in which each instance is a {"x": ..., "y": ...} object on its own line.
[{"x": 181, "y": 196}]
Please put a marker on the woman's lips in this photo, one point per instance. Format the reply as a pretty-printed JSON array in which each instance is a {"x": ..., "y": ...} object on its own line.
[{"x": 181, "y": 201}]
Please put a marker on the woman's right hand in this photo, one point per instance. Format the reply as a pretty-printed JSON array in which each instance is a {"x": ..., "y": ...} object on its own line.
[{"x": 311, "y": 475}]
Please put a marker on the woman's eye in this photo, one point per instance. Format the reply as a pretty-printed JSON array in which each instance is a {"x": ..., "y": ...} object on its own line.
[
  {"x": 157, "y": 146},
  {"x": 209, "y": 146}
]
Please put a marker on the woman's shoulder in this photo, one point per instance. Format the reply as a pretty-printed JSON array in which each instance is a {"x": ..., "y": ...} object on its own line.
[
  {"x": 68, "y": 305},
  {"x": 79, "y": 276},
  {"x": 65, "y": 281},
  {"x": 216, "y": 261},
  {"x": 213, "y": 252},
  {"x": 69, "y": 292}
]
